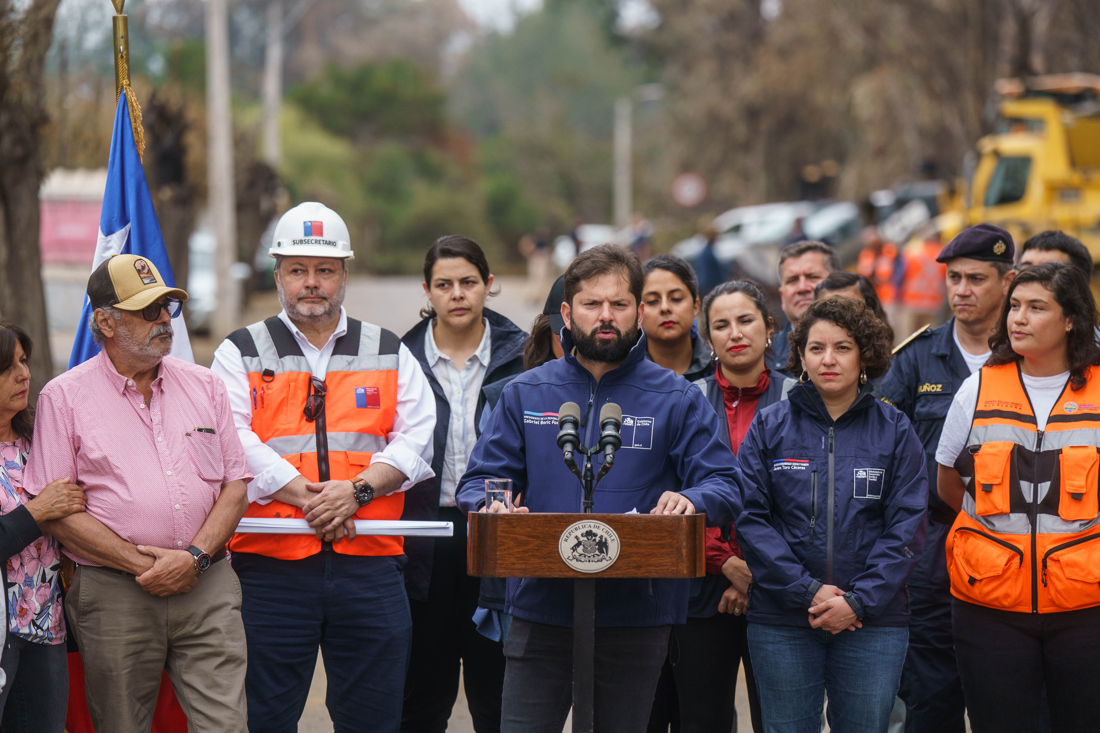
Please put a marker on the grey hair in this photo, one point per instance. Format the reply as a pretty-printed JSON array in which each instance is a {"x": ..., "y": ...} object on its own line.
[{"x": 96, "y": 333}]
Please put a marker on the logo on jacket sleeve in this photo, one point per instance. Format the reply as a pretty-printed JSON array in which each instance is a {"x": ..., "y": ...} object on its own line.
[
  {"x": 589, "y": 547},
  {"x": 368, "y": 397},
  {"x": 867, "y": 483},
  {"x": 790, "y": 464},
  {"x": 637, "y": 432}
]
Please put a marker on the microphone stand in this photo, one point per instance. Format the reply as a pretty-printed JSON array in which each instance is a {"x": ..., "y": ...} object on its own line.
[{"x": 584, "y": 608}]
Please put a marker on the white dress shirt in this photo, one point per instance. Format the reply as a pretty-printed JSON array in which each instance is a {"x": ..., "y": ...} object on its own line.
[
  {"x": 410, "y": 445},
  {"x": 462, "y": 386}
]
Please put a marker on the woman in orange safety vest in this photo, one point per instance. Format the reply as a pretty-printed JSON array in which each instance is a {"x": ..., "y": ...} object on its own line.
[{"x": 1019, "y": 457}]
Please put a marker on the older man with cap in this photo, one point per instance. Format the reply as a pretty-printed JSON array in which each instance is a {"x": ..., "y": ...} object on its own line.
[
  {"x": 337, "y": 422},
  {"x": 928, "y": 368},
  {"x": 151, "y": 440}
]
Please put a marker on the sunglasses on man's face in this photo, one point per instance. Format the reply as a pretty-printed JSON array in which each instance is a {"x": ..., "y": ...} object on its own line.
[{"x": 152, "y": 311}]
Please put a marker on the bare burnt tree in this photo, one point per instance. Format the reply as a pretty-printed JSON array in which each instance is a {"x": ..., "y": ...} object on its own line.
[
  {"x": 24, "y": 40},
  {"x": 166, "y": 128}
]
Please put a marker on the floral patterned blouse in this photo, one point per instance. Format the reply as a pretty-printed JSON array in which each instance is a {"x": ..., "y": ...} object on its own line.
[{"x": 33, "y": 576}]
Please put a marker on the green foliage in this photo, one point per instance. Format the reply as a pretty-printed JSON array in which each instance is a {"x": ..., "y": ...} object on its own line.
[
  {"x": 320, "y": 166},
  {"x": 186, "y": 64},
  {"x": 506, "y": 205},
  {"x": 541, "y": 100},
  {"x": 393, "y": 99}
]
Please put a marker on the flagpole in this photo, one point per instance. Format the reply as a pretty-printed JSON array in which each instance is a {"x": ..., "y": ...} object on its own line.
[{"x": 121, "y": 47}]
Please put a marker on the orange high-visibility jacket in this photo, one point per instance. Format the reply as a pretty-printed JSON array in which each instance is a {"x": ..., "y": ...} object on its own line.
[
  {"x": 879, "y": 269},
  {"x": 923, "y": 286},
  {"x": 1028, "y": 539},
  {"x": 360, "y": 405}
]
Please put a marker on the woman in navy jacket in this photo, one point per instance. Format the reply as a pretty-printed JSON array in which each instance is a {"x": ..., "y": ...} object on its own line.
[
  {"x": 832, "y": 522},
  {"x": 698, "y": 683}
]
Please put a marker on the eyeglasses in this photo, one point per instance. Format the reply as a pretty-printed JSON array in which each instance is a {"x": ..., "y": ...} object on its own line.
[
  {"x": 315, "y": 403},
  {"x": 152, "y": 311}
]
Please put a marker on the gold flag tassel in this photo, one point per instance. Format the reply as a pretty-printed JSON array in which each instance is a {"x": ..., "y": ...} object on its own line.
[
  {"x": 135, "y": 110},
  {"x": 122, "y": 75}
]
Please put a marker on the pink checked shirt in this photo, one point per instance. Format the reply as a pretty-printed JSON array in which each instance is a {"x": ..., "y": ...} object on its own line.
[{"x": 151, "y": 474}]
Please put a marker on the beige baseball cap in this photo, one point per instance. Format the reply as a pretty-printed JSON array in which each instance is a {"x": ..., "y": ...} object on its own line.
[{"x": 129, "y": 283}]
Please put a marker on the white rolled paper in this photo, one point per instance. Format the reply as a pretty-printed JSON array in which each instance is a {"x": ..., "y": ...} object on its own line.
[{"x": 272, "y": 525}]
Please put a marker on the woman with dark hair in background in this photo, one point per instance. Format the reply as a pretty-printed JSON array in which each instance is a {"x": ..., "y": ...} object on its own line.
[
  {"x": 832, "y": 522},
  {"x": 698, "y": 685},
  {"x": 462, "y": 346},
  {"x": 35, "y": 695},
  {"x": 671, "y": 298},
  {"x": 1018, "y": 458},
  {"x": 853, "y": 285},
  {"x": 544, "y": 343}
]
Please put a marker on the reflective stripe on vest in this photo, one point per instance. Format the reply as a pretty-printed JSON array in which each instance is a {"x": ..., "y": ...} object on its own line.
[
  {"x": 360, "y": 405},
  {"x": 1028, "y": 536}
]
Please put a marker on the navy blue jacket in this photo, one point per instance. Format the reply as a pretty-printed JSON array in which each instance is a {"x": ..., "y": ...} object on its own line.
[
  {"x": 707, "y": 590},
  {"x": 670, "y": 443},
  {"x": 922, "y": 381},
  {"x": 703, "y": 362},
  {"x": 422, "y": 500},
  {"x": 781, "y": 351},
  {"x": 874, "y": 464}
]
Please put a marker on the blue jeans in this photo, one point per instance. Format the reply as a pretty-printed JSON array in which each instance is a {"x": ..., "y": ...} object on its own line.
[
  {"x": 355, "y": 609},
  {"x": 795, "y": 666},
  {"x": 36, "y": 696}
]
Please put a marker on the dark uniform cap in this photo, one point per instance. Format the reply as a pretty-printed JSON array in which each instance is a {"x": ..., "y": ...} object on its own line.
[
  {"x": 982, "y": 242},
  {"x": 552, "y": 309}
]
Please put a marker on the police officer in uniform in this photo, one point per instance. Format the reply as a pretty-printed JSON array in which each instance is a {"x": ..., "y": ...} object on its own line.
[{"x": 928, "y": 368}]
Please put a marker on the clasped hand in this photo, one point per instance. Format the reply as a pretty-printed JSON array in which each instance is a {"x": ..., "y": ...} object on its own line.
[
  {"x": 173, "y": 571},
  {"x": 831, "y": 611},
  {"x": 331, "y": 512}
]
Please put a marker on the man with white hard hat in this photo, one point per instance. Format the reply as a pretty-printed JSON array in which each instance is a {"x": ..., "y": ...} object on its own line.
[{"x": 337, "y": 421}]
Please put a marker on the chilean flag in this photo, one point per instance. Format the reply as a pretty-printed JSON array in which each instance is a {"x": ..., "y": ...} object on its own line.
[{"x": 314, "y": 228}]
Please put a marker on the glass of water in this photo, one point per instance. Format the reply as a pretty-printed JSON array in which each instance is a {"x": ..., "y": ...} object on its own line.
[{"x": 498, "y": 490}]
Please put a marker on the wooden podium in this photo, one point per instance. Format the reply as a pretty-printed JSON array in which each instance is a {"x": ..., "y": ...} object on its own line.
[{"x": 533, "y": 546}]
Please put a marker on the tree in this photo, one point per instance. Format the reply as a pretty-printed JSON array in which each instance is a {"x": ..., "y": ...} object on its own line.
[{"x": 24, "y": 40}]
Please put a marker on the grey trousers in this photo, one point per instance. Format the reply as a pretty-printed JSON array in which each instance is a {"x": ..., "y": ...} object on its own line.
[
  {"x": 538, "y": 678},
  {"x": 128, "y": 636}
]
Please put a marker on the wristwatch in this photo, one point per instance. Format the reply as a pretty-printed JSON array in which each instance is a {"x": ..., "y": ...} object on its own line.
[
  {"x": 364, "y": 492},
  {"x": 202, "y": 559}
]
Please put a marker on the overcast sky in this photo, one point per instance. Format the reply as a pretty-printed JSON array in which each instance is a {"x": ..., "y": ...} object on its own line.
[{"x": 499, "y": 14}]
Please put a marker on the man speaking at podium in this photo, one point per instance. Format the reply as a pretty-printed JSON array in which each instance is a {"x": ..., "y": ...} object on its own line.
[{"x": 671, "y": 462}]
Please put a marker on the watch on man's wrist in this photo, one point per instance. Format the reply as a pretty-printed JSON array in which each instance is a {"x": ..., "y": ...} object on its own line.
[
  {"x": 202, "y": 559},
  {"x": 364, "y": 492}
]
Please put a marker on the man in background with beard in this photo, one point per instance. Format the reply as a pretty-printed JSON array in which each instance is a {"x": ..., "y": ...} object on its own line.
[
  {"x": 314, "y": 392},
  {"x": 151, "y": 440},
  {"x": 671, "y": 462}
]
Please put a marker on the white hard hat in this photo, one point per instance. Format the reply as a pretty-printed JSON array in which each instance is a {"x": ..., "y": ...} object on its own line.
[{"x": 311, "y": 230}]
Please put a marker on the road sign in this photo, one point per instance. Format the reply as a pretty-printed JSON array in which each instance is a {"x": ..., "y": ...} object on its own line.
[{"x": 689, "y": 190}]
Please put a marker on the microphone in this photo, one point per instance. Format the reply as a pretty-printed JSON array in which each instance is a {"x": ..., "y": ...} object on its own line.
[
  {"x": 569, "y": 419},
  {"x": 611, "y": 420}
]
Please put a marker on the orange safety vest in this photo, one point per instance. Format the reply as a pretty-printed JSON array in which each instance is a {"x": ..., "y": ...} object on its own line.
[
  {"x": 879, "y": 269},
  {"x": 923, "y": 288},
  {"x": 1028, "y": 537},
  {"x": 360, "y": 405}
]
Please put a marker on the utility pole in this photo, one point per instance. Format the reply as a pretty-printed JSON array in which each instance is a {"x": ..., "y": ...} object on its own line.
[
  {"x": 219, "y": 167},
  {"x": 624, "y": 113},
  {"x": 273, "y": 83}
]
